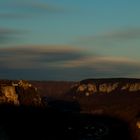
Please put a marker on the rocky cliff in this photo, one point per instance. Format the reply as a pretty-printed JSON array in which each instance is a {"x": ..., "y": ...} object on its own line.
[
  {"x": 106, "y": 86},
  {"x": 19, "y": 93},
  {"x": 9, "y": 95}
]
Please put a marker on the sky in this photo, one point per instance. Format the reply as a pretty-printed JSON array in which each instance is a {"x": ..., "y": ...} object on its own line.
[{"x": 68, "y": 40}]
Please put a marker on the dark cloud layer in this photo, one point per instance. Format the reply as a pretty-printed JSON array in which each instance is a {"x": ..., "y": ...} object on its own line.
[
  {"x": 62, "y": 63},
  {"x": 34, "y": 57},
  {"x": 9, "y": 35},
  {"x": 78, "y": 73}
]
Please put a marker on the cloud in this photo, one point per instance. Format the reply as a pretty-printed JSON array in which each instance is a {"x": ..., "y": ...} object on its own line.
[
  {"x": 101, "y": 67},
  {"x": 130, "y": 33},
  {"x": 110, "y": 37},
  {"x": 101, "y": 61},
  {"x": 62, "y": 63},
  {"x": 7, "y": 35},
  {"x": 37, "y": 56}
]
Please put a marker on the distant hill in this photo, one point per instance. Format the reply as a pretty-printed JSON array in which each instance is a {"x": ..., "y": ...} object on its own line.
[{"x": 89, "y": 87}]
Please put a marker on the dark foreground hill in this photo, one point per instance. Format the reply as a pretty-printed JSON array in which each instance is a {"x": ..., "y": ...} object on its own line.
[
  {"x": 20, "y": 123},
  {"x": 87, "y": 110}
]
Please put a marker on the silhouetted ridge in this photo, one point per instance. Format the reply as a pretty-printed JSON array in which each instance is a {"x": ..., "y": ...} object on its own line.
[{"x": 98, "y": 80}]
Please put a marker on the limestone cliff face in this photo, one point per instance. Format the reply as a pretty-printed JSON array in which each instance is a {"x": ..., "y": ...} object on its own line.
[
  {"x": 87, "y": 89},
  {"x": 10, "y": 94},
  {"x": 108, "y": 88},
  {"x": 91, "y": 87},
  {"x": 133, "y": 87},
  {"x": 20, "y": 93}
]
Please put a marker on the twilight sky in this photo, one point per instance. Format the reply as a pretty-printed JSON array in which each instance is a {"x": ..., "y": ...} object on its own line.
[{"x": 69, "y": 39}]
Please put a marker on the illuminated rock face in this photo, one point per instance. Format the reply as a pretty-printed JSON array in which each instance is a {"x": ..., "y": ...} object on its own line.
[
  {"x": 20, "y": 93},
  {"x": 9, "y": 93},
  {"x": 87, "y": 89},
  {"x": 132, "y": 87},
  {"x": 24, "y": 84},
  {"x": 81, "y": 88},
  {"x": 91, "y": 87},
  {"x": 107, "y": 88},
  {"x": 138, "y": 124}
]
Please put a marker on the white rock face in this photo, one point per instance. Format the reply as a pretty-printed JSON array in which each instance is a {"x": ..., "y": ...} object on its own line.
[
  {"x": 134, "y": 87},
  {"x": 89, "y": 89},
  {"x": 107, "y": 88},
  {"x": 10, "y": 94},
  {"x": 81, "y": 88},
  {"x": 92, "y": 88},
  {"x": 125, "y": 87},
  {"x": 24, "y": 84},
  {"x": 21, "y": 92},
  {"x": 87, "y": 93},
  {"x": 86, "y": 89},
  {"x": 138, "y": 124},
  {"x": 131, "y": 87}
]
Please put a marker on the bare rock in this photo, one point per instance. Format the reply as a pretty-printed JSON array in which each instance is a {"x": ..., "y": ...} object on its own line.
[
  {"x": 9, "y": 95},
  {"x": 108, "y": 88},
  {"x": 19, "y": 93}
]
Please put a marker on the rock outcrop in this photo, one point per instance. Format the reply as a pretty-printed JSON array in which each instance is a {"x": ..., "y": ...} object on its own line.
[
  {"x": 9, "y": 93},
  {"x": 132, "y": 87},
  {"x": 87, "y": 89},
  {"x": 19, "y": 93},
  {"x": 105, "y": 86}
]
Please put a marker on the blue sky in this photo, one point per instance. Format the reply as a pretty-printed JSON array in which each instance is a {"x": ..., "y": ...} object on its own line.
[{"x": 69, "y": 39}]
